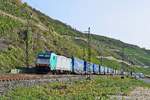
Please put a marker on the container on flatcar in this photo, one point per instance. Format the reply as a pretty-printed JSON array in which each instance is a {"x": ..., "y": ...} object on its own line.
[
  {"x": 118, "y": 72},
  {"x": 105, "y": 70},
  {"x": 78, "y": 66},
  {"x": 110, "y": 71},
  {"x": 102, "y": 68},
  {"x": 89, "y": 67},
  {"x": 95, "y": 69},
  {"x": 113, "y": 70},
  {"x": 64, "y": 64}
]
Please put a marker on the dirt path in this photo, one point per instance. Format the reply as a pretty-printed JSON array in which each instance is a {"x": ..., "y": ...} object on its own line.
[
  {"x": 137, "y": 94},
  {"x": 118, "y": 60}
]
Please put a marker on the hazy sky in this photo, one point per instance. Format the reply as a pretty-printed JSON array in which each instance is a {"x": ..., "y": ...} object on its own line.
[{"x": 126, "y": 20}]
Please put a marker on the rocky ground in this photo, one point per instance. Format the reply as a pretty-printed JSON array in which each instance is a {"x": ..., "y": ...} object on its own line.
[{"x": 139, "y": 93}]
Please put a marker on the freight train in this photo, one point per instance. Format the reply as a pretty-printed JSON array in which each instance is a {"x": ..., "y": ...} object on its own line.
[{"x": 47, "y": 62}]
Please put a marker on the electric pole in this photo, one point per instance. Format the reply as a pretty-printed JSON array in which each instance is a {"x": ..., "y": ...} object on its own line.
[
  {"x": 84, "y": 53},
  {"x": 27, "y": 44},
  {"x": 89, "y": 47},
  {"x": 28, "y": 17}
]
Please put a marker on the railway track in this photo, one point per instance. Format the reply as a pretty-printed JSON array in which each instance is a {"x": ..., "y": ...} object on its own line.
[
  {"x": 12, "y": 81},
  {"x": 18, "y": 77}
]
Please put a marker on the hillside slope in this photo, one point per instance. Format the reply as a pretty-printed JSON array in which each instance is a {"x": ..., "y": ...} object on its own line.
[{"x": 46, "y": 33}]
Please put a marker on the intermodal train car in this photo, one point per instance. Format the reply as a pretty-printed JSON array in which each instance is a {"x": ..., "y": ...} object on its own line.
[
  {"x": 64, "y": 64},
  {"x": 110, "y": 71},
  {"x": 78, "y": 66},
  {"x": 105, "y": 70},
  {"x": 89, "y": 68},
  {"x": 96, "y": 69},
  {"x": 102, "y": 69}
]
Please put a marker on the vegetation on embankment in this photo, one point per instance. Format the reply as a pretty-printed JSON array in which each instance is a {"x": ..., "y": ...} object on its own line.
[
  {"x": 46, "y": 33},
  {"x": 99, "y": 87}
]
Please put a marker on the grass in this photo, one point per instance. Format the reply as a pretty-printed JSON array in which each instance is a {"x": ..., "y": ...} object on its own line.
[{"x": 99, "y": 87}]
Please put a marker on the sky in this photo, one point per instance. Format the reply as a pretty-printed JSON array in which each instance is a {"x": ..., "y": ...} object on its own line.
[{"x": 126, "y": 20}]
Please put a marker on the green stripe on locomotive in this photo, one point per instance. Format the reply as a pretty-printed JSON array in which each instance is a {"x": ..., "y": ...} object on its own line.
[{"x": 53, "y": 61}]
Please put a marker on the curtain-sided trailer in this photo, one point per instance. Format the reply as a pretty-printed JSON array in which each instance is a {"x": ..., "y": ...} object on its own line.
[
  {"x": 105, "y": 70},
  {"x": 89, "y": 68},
  {"x": 109, "y": 71},
  {"x": 96, "y": 69},
  {"x": 64, "y": 64},
  {"x": 102, "y": 69},
  {"x": 78, "y": 66}
]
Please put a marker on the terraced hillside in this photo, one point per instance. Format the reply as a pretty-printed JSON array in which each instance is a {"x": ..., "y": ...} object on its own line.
[{"x": 46, "y": 33}]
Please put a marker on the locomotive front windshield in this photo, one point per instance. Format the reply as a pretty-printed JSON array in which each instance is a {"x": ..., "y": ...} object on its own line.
[{"x": 43, "y": 59}]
